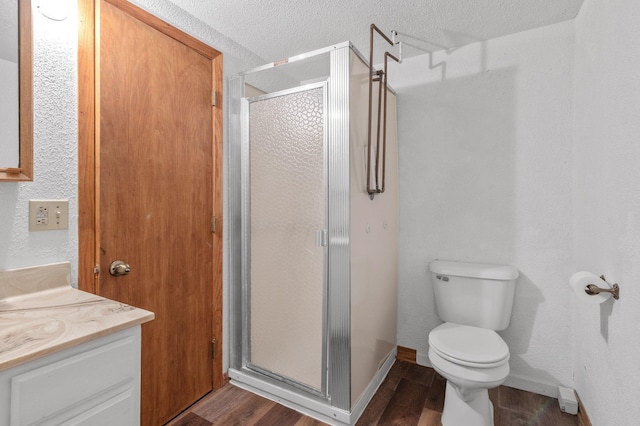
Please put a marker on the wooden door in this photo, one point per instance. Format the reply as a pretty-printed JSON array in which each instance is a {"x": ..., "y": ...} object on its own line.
[{"x": 156, "y": 155}]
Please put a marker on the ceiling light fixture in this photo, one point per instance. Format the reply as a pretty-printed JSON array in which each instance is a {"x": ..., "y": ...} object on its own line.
[{"x": 56, "y": 10}]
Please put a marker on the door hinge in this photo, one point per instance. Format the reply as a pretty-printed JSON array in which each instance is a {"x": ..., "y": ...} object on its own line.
[
  {"x": 214, "y": 347},
  {"x": 96, "y": 270},
  {"x": 214, "y": 224},
  {"x": 214, "y": 98}
]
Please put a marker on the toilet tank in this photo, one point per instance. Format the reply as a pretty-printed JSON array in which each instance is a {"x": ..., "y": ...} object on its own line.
[{"x": 477, "y": 294}]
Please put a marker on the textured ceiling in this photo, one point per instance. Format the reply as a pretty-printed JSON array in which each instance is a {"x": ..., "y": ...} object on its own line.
[{"x": 277, "y": 29}]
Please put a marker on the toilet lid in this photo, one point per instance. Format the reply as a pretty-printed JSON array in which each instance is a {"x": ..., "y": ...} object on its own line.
[{"x": 467, "y": 345}]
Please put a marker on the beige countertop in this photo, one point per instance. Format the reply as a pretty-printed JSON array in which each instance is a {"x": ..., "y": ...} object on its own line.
[{"x": 41, "y": 313}]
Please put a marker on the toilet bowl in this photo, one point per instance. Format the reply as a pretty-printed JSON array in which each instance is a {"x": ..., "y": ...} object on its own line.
[
  {"x": 472, "y": 360},
  {"x": 475, "y": 301}
]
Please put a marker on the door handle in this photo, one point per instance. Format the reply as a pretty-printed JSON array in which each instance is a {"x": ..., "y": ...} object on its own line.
[{"x": 118, "y": 267}]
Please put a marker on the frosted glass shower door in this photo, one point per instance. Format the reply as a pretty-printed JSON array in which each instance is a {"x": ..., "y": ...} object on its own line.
[{"x": 287, "y": 238}]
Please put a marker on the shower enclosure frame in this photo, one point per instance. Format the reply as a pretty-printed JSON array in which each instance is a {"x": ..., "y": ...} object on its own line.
[
  {"x": 333, "y": 402},
  {"x": 246, "y": 247}
]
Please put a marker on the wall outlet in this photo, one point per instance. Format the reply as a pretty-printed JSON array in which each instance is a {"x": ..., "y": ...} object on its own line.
[{"x": 47, "y": 215}]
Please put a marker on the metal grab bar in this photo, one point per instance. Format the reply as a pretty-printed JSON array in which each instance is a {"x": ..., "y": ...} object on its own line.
[{"x": 382, "y": 82}]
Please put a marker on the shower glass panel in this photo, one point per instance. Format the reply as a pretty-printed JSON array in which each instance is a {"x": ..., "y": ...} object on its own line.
[{"x": 287, "y": 238}]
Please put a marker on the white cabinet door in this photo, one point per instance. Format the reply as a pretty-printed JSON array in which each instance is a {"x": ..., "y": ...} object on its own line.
[{"x": 94, "y": 383}]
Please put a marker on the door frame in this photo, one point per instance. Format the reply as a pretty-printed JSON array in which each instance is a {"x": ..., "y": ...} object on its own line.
[{"x": 89, "y": 162}]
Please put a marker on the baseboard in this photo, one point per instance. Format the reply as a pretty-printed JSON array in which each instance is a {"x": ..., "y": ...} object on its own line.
[
  {"x": 532, "y": 386},
  {"x": 423, "y": 360},
  {"x": 406, "y": 354},
  {"x": 583, "y": 418}
]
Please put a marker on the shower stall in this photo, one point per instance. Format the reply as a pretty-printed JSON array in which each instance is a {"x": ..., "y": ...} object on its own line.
[{"x": 313, "y": 257}]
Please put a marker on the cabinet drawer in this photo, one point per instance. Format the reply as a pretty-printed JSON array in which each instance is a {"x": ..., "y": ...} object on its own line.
[
  {"x": 75, "y": 384},
  {"x": 118, "y": 410}
]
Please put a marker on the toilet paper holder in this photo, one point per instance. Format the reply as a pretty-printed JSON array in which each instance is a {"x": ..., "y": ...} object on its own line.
[{"x": 593, "y": 289}]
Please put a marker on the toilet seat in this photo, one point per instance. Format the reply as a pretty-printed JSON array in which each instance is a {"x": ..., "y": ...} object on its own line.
[
  {"x": 468, "y": 377},
  {"x": 469, "y": 346}
]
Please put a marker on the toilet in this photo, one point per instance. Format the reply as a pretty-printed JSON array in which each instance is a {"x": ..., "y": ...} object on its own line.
[{"x": 475, "y": 301}]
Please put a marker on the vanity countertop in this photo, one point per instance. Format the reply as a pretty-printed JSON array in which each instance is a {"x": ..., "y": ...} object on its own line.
[{"x": 41, "y": 313}]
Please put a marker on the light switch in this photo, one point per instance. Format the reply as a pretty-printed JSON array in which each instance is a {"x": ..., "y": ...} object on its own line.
[{"x": 46, "y": 215}]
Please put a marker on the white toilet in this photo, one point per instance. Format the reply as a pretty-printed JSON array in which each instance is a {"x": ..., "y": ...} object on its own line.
[{"x": 475, "y": 300}]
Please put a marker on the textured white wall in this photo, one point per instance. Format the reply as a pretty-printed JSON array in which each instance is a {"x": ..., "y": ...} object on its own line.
[
  {"x": 55, "y": 153},
  {"x": 607, "y": 207},
  {"x": 485, "y": 140}
]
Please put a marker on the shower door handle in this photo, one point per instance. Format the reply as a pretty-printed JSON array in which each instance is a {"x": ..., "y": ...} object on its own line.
[{"x": 322, "y": 238}]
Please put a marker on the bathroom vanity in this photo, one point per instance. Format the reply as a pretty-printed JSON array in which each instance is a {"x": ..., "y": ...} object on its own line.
[{"x": 66, "y": 356}]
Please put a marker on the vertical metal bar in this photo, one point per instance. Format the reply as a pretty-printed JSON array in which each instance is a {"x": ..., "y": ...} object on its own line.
[
  {"x": 339, "y": 325},
  {"x": 236, "y": 86},
  {"x": 325, "y": 242},
  {"x": 384, "y": 121},
  {"x": 380, "y": 81},
  {"x": 377, "y": 189},
  {"x": 245, "y": 232},
  {"x": 368, "y": 164}
]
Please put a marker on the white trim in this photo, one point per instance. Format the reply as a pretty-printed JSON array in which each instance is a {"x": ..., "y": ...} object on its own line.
[
  {"x": 297, "y": 58},
  {"x": 303, "y": 88},
  {"x": 311, "y": 407},
  {"x": 532, "y": 386}
]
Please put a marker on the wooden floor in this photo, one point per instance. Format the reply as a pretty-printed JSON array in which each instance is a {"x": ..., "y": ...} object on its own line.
[{"x": 411, "y": 395}]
